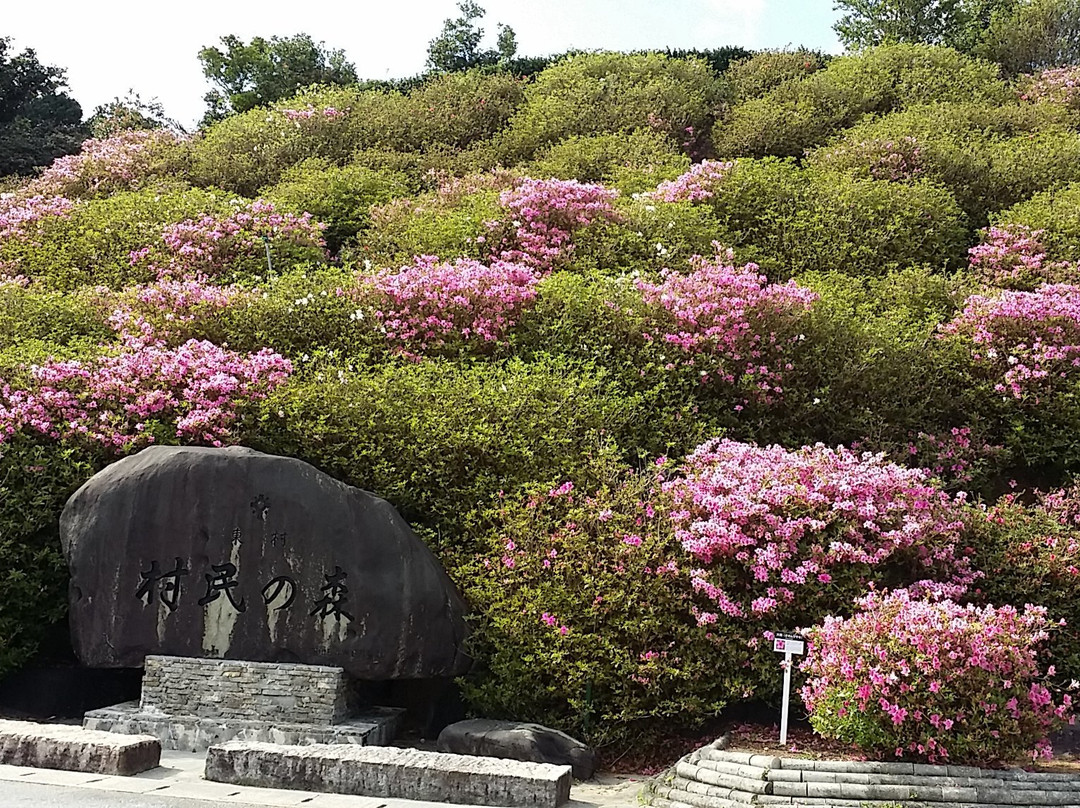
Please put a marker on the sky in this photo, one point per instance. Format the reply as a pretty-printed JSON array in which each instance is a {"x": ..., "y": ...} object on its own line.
[{"x": 111, "y": 46}]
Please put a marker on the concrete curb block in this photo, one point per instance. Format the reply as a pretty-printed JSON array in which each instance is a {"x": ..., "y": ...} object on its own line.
[
  {"x": 713, "y": 777},
  {"x": 374, "y": 771},
  {"x": 59, "y": 746}
]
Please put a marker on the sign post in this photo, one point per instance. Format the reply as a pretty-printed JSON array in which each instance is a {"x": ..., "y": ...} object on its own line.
[{"x": 787, "y": 644}]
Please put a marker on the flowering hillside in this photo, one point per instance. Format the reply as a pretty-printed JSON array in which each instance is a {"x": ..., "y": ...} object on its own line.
[{"x": 658, "y": 361}]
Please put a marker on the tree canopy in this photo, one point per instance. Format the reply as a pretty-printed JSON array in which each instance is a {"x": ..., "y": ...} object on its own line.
[
  {"x": 249, "y": 75},
  {"x": 38, "y": 121},
  {"x": 1033, "y": 35},
  {"x": 458, "y": 46},
  {"x": 957, "y": 23}
]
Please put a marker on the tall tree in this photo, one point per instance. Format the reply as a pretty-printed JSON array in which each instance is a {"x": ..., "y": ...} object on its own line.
[
  {"x": 266, "y": 70},
  {"x": 1033, "y": 35},
  {"x": 957, "y": 23},
  {"x": 129, "y": 112},
  {"x": 38, "y": 121},
  {"x": 458, "y": 46}
]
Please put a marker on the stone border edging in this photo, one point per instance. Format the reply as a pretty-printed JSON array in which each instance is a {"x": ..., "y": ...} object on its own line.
[
  {"x": 72, "y": 748},
  {"x": 713, "y": 777},
  {"x": 387, "y": 771}
]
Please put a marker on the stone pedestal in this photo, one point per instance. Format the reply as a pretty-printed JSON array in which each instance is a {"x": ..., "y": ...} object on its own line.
[{"x": 190, "y": 704}]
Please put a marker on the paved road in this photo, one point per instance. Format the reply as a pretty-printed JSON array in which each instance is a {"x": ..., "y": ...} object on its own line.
[{"x": 39, "y": 795}]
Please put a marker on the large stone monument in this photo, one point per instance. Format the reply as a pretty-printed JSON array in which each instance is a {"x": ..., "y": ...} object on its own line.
[{"x": 231, "y": 554}]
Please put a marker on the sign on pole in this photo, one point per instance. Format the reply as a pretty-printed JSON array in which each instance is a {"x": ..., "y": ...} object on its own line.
[{"x": 787, "y": 644}]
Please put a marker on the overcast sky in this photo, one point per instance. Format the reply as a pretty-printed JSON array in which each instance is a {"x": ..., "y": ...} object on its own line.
[{"x": 110, "y": 46}]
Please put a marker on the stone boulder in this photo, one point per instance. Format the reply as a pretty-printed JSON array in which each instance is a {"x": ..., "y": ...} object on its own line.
[
  {"x": 518, "y": 741},
  {"x": 231, "y": 553}
]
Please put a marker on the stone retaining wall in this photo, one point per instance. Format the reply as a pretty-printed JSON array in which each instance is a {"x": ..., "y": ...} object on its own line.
[
  {"x": 714, "y": 778},
  {"x": 375, "y": 771},
  {"x": 59, "y": 746},
  {"x": 229, "y": 689}
]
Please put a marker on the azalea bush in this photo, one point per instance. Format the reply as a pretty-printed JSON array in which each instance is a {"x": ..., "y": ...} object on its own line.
[
  {"x": 545, "y": 215},
  {"x": 123, "y": 162},
  {"x": 1028, "y": 341},
  {"x": 140, "y": 394},
  {"x": 584, "y": 617},
  {"x": 91, "y": 242},
  {"x": 767, "y": 529},
  {"x": 1056, "y": 85},
  {"x": 246, "y": 241},
  {"x": 1014, "y": 258},
  {"x": 1055, "y": 212},
  {"x": 19, "y": 213},
  {"x": 933, "y": 680},
  {"x": 728, "y": 322},
  {"x": 431, "y": 305}
]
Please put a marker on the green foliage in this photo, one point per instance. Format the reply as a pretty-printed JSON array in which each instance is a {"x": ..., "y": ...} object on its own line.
[
  {"x": 36, "y": 478},
  {"x": 603, "y": 93},
  {"x": 632, "y": 659},
  {"x": 340, "y": 196},
  {"x": 868, "y": 227},
  {"x": 1030, "y": 35},
  {"x": 38, "y": 121},
  {"x": 633, "y": 162},
  {"x": 957, "y": 23},
  {"x": 32, "y": 315},
  {"x": 264, "y": 71},
  {"x": 438, "y": 438},
  {"x": 765, "y": 70},
  {"x": 93, "y": 244},
  {"x": 1057, "y": 211},
  {"x": 250, "y": 151},
  {"x": 989, "y": 157},
  {"x": 801, "y": 113},
  {"x": 457, "y": 47},
  {"x": 437, "y": 223},
  {"x": 127, "y": 114}
]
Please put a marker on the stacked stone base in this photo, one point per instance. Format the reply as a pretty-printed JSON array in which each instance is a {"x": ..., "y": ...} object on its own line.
[
  {"x": 378, "y": 726},
  {"x": 714, "y": 778},
  {"x": 191, "y": 704}
]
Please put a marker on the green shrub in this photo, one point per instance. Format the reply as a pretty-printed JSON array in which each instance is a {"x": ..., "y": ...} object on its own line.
[
  {"x": 1057, "y": 211},
  {"x": 93, "y": 244},
  {"x": 604, "y": 93},
  {"x": 28, "y": 315},
  {"x": 36, "y": 478},
  {"x": 249, "y": 151},
  {"x": 988, "y": 157},
  {"x": 437, "y": 223},
  {"x": 575, "y": 628},
  {"x": 633, "y": 162},
  {"x": 438, "y": 438},
  {"x": 868, "y": 227},
  {"x": 459, "y": 109},
  {"x": 801, "y": 113},
  {"x": 298, "y": 313},
  {"x": 651, "y": 236},
  {"x": 755, "y": 203},
  {"x": 340, "y": 196},
  {"x": 768, "y": 69}
]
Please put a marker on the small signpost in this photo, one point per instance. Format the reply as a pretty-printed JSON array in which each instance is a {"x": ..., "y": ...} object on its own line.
[{"x": 787, "y": 644}]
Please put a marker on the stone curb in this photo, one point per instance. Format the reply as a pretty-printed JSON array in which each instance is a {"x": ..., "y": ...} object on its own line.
[
  {"x": 380, "y": 771},
  {"x": 58, "y": 746},
  {"x": 713, "y": 777}
]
